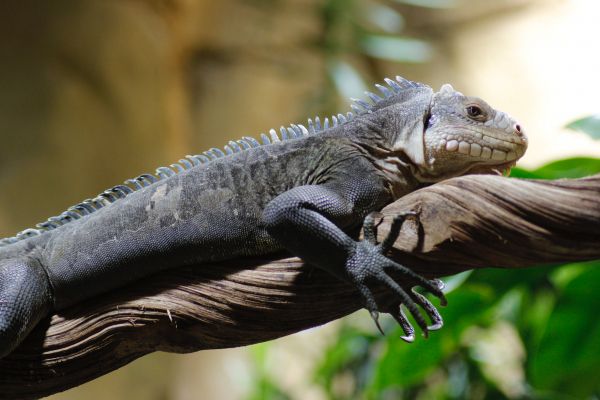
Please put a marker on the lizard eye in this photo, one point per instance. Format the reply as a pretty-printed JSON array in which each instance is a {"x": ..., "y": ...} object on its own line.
[{"x": 475, "y": 112}]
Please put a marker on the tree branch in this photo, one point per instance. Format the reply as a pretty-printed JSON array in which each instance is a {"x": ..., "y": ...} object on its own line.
[{"x": 462, "y": 223}]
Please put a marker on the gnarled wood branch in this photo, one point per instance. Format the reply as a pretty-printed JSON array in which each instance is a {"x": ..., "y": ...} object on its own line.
[{"x": 462, "y": 223}]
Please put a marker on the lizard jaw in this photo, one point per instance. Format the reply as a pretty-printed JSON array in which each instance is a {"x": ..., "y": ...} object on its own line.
[
  {"x": 487, "y": 159},
  {"x": 498, "y": 169}
]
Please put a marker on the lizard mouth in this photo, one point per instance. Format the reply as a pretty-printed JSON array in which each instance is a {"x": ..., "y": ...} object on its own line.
[{"x": 498, "y": 169}]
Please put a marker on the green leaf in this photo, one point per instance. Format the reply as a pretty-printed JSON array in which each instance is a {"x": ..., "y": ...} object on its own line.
[
  {"x": 567, "y": 359},
  {"x": 454, "y": 282},
  {"x": 589, "y": 125},
  {"x": 398, "y": 49},
  {"x": 576, "y": 167},
  {"x": 518, "y": 172},
  {"x": 501, "y": 281}
]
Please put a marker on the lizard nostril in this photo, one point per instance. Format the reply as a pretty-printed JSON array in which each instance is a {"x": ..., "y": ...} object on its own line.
[{"x": 518, "y": 129}]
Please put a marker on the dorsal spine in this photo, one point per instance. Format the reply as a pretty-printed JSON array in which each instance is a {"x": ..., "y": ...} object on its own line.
[{"x": 294, "y": 131}]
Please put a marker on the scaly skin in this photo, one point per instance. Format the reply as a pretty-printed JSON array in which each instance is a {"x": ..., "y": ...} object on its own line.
[{"x": 308, "y": 195}]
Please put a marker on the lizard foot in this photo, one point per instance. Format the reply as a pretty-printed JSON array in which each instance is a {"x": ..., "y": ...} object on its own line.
[
  {"x": 397, "y": 312},
  {"x": 24, "y": 299},
  {"x": 369, "y": 267}
]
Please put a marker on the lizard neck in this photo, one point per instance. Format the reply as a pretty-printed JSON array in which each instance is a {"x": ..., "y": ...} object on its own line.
[
  {"x": 398, "y": 174},
  {"x": 372, "y": 133}
]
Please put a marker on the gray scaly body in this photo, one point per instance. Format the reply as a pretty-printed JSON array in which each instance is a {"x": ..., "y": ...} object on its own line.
[{"x": 306, "y": 190}]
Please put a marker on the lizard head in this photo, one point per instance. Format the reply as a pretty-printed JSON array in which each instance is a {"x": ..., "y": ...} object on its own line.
[{"x": 465, "y": 135}]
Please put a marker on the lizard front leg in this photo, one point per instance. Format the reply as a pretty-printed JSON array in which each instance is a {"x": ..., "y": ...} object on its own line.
[
  {"x": 308, "y": 221},
  {"x": 25, "y": 298}
]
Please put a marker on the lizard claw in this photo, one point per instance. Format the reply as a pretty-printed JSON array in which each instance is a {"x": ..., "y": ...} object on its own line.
[
  {"x": 431, "y": 311},
  {"x": 375, "y": 316},
  {"x": 371, "y": 305},
  {"x": 409, "y": 331},
  {"x": 369, "y": 265},
  {"x": 441, "y": 285}
]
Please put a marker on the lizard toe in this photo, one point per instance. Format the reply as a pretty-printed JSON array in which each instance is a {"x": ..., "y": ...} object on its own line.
[{"x": 407, "y": 328}]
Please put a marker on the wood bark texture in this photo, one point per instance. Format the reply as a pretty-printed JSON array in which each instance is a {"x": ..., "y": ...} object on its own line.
[{"x": 462, "y": 223}]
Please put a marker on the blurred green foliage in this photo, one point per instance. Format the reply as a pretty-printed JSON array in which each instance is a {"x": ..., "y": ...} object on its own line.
[{"x": 509, "y": 334}]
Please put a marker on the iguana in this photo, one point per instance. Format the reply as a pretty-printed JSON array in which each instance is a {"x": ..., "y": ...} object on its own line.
[{"x": 306, "y": 190}]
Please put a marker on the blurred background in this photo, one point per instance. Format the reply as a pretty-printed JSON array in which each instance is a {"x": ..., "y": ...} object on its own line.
[{"x": 94, "y": 92}]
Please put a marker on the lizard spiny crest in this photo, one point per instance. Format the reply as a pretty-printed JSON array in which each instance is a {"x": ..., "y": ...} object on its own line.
[{"x": 393, "y": 92}]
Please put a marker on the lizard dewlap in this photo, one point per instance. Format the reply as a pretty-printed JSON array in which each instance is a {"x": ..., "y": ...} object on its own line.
[{"x": 306, "y": 189}]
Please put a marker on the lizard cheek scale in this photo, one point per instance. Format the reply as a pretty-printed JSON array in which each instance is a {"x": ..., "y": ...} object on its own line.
[{"x": 304, "y": 189}]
